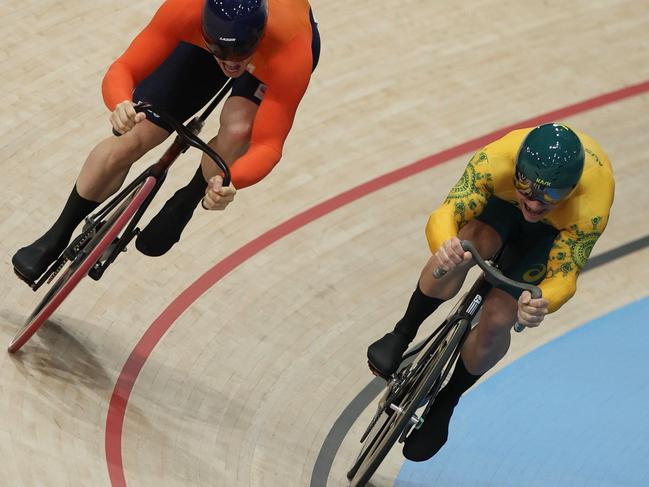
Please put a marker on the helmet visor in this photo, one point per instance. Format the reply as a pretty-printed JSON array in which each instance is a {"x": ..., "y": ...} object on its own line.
[
  {"x": 231, "y": 49},
  {"x": 230, "y": 53},
  {"x": 539, "y": 192}
]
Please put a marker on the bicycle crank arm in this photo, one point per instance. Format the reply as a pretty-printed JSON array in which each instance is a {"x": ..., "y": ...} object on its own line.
[{"x": 414, "y": 420}]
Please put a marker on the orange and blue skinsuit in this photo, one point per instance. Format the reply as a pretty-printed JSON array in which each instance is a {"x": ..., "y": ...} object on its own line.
[{"x": 282, "y": 61}]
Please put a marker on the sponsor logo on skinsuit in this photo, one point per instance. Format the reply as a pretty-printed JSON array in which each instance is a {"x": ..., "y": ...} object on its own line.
[{"x": 535, "y": 273}]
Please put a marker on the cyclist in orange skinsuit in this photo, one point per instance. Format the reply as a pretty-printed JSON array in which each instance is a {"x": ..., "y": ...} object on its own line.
[{"x": 178, "y": 62}]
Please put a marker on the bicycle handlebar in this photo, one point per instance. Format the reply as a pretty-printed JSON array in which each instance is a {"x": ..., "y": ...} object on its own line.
[
  {"x": 494, "y": 276},
  {"x": 187, "y": 136}
]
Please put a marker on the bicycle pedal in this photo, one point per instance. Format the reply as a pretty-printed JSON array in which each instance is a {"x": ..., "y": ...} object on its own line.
[
  {"x": 414, "y": 420},
  {"x": 376, "y": 372},
  {"x": 23, "y": 278},
  {"x": 417, "y": 421},
  {"x": 96, "y": 271}
]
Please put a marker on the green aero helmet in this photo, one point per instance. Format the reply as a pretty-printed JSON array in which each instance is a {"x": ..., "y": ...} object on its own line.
[{"x": 549, "y": 163}]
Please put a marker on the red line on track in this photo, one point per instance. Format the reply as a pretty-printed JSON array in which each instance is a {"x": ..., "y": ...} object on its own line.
[{"x": 157, "y": 329}]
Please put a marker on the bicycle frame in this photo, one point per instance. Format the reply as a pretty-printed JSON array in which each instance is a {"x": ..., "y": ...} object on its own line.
[
  {"x": 414, "y": 386},
  {"x": 100, "y": 242},
  {"x": 468, "y": 308},
  {"x": 158, "y": 173},
  {"x": 463, "y": 317}
]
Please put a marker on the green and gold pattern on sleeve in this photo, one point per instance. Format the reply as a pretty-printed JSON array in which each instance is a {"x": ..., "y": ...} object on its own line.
[
  {"x": 465, "y": 201},
  {"x": 469, "y": 196},
  {"x": 567, "y": 258},
  {"x": 581, "y": 220},
  {"x": 572, "y": 248}
]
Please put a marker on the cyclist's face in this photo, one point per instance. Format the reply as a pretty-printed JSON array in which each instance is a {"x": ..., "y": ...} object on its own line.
[
  {"x": 233, "y": 69},
  {"x": 533, "y": 210}
]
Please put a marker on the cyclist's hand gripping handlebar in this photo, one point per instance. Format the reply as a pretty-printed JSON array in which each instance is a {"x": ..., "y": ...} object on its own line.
[
  {"x": 494, "y": 276},
  {"x": 187, "y": 136}
]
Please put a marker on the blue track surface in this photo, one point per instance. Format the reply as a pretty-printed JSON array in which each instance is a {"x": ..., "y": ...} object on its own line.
[{"x": 572, "y": 413}]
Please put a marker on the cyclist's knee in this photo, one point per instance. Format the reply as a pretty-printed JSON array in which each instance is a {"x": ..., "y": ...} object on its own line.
[
  {"x": 483, "y": 236},
  {"x": 236, "y": 121},
  {"x": 128, "y": 148},
  {"x": 235, "y": 134},
  {"x": 439, "y": 289},
  {"x": 123, "y": 153},
  {"x": 498, "y": 314}
]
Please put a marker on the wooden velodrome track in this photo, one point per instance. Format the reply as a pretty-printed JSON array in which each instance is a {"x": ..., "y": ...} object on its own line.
[{"x": 250, "y": 377}]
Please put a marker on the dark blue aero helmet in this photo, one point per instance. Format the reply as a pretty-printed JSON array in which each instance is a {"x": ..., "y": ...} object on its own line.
[{"x": 233, "y": 28}]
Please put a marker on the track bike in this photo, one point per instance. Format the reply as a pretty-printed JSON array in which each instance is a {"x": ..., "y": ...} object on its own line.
[
  {"x": 424, "y": 370},
  {"x": 107, "y": 232}
]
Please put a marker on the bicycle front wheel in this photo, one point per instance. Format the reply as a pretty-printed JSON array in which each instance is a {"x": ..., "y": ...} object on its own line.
[
  {"x": 391, "y": 426},
  {"x": 82, "y": 263}
]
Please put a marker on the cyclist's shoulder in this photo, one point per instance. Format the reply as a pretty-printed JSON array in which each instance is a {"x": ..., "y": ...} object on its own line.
[
  {"x": 179, "y": 14},
  {"x": 503, "y": 150},
  {"x": 596, "y": 187},
  {"x": 588, "y": 207},
  {"x": 286, "y": 44},
  {"x": 288, "y": 17},
  {"x": 498, "y": 158},
  {"x": 511, "y": 141},
  {"x": 597, "y": 161},
  {"x": 182, "y": 5}
]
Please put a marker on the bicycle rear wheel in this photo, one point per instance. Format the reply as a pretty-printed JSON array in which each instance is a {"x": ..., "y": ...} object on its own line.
[
  {"x": 82, "y": 263},
  {"x": 387, "y": 431}
]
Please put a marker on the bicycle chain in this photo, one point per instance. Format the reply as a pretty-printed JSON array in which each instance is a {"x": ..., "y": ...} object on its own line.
[
  {"x": 70, "y": 254},
  {"x": 57, "y": 270}
]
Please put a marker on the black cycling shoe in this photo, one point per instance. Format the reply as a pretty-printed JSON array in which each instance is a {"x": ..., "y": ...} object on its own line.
[
  {"x": 164, "y": 230},
  {"x": 426, "y": 441},
  {"x": 32, "y": 261},
  {"x": 384, "y": 355}
]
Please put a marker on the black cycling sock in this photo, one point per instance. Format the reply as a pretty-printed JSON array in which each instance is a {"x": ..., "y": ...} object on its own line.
[
  {"x": 165, "y": 229},
  {"x": 419, "y": 308},
  {"x": 31, "y": 261},
  {"x": 194, "y": 191},
  {"x": 75, "y": 210},
  {"x": 461, "y": 381},
  {"x": 425, "y": 442}
]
